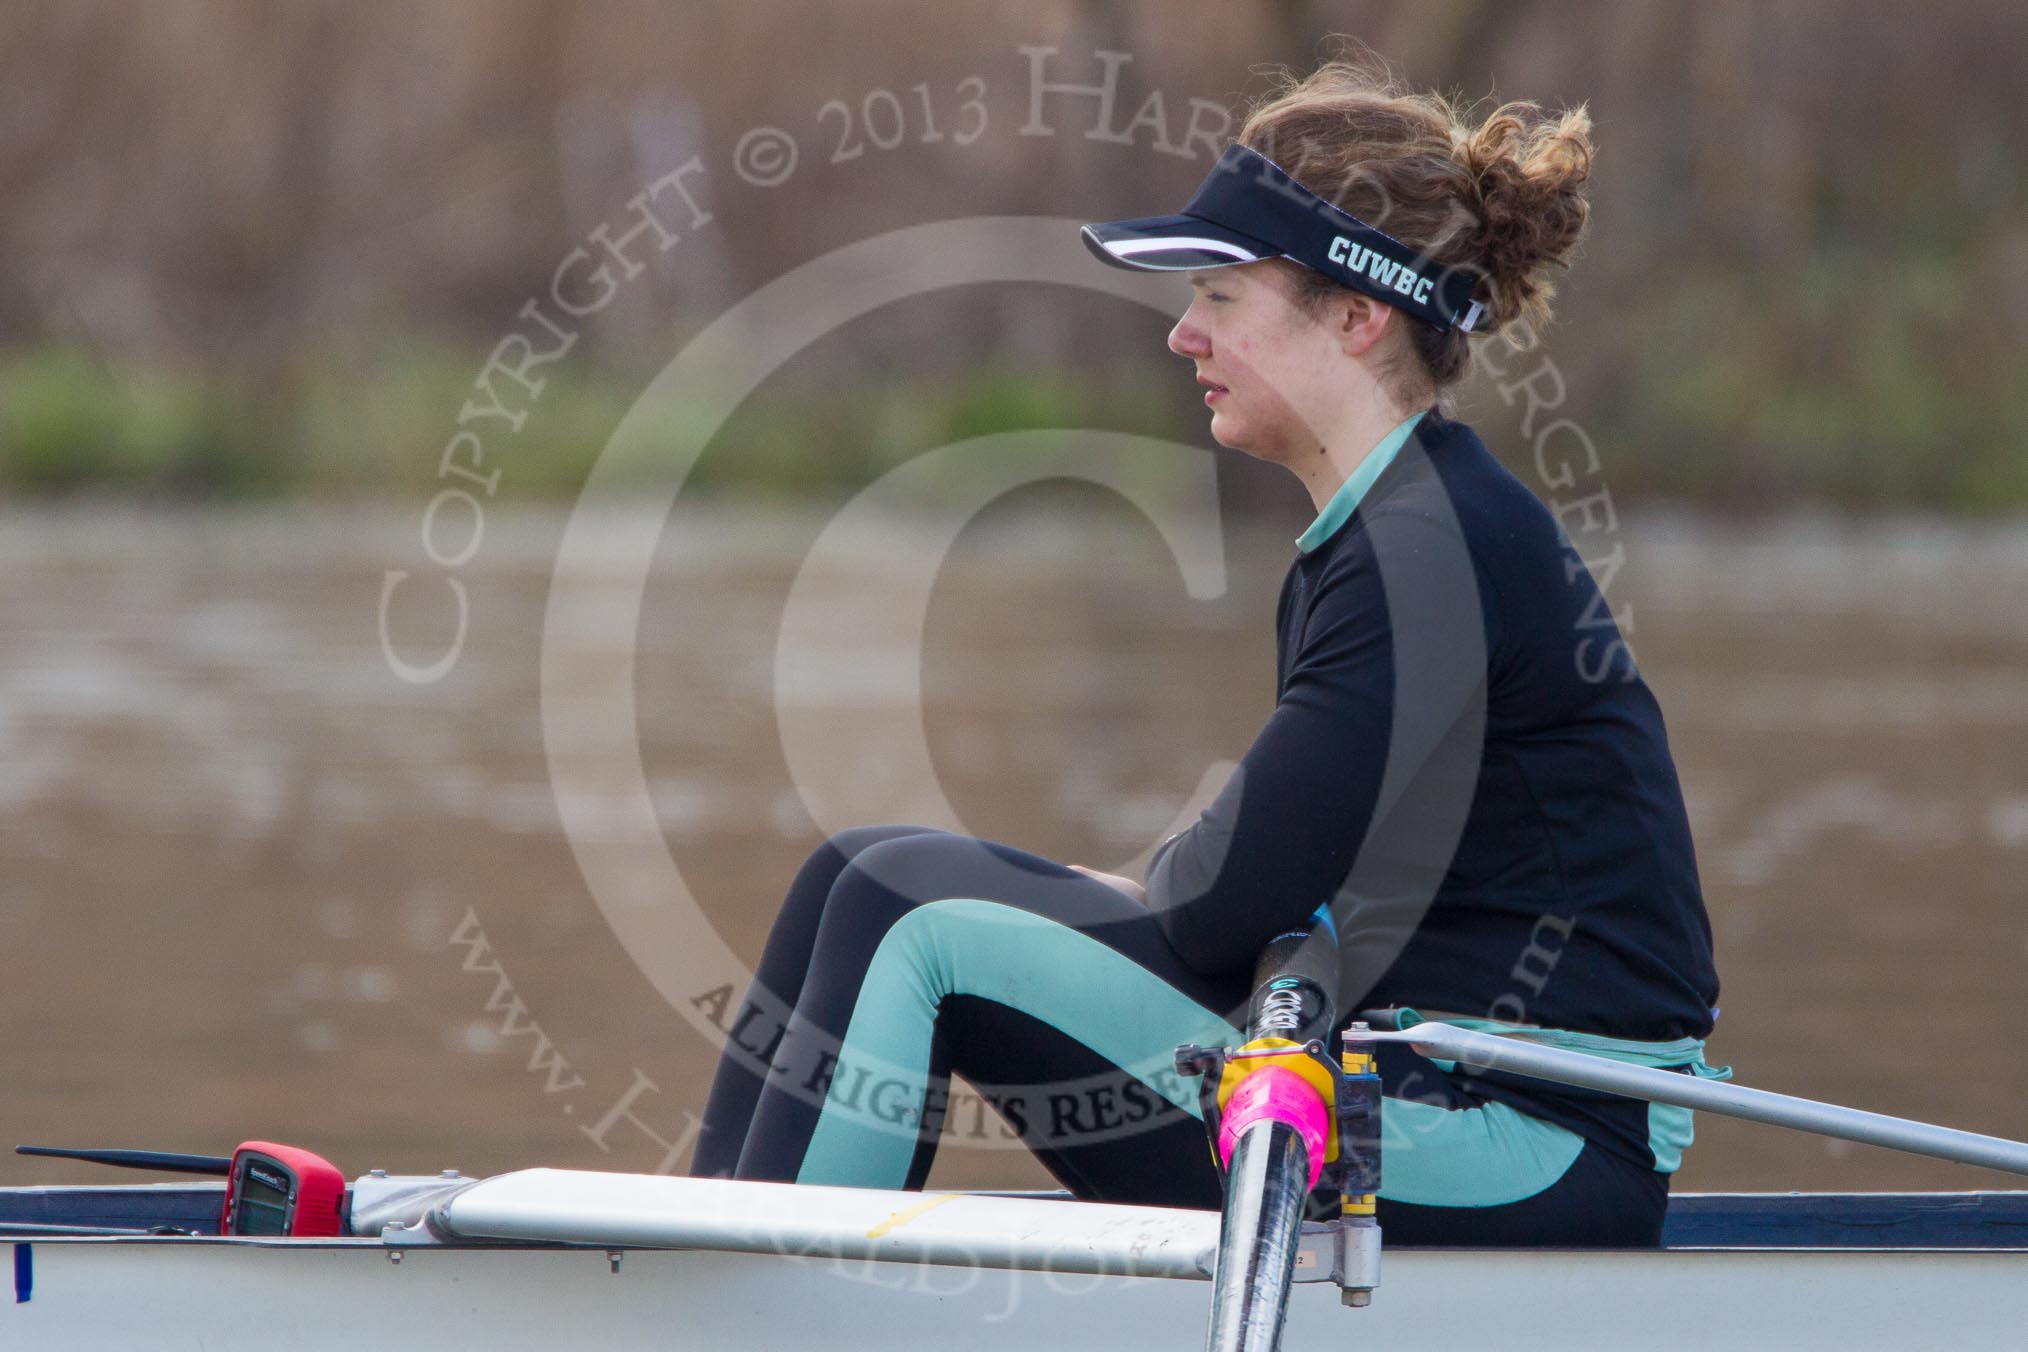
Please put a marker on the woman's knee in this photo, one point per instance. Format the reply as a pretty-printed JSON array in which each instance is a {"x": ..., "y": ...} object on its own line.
[
  {"x": 821, "y": 869},
  {"x": 940, "y": 865},
  {"x": 876, "y": 873},
  {"x": 849, "y": 869},
  {"x": 844, "y": 848}
]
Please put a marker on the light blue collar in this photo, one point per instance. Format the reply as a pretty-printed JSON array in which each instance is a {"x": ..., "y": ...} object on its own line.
[{"x": 1339, "y": 509}]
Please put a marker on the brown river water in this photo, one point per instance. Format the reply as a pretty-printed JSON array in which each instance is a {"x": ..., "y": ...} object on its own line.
[{"x": 253, "y": 884}]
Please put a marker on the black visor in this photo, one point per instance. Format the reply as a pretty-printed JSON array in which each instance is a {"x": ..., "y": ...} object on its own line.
[{"x": 1248, "y": 209}]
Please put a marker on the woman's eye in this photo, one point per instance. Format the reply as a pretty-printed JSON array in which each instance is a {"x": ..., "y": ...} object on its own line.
[{"x": 1216, "y": 296}]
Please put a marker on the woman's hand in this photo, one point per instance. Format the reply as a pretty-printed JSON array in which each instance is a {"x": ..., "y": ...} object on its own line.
[{"x": 1116, "y": 882}]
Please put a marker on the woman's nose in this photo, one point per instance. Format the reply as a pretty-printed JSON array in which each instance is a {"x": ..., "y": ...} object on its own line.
[{"x": 1187, "y": 340}]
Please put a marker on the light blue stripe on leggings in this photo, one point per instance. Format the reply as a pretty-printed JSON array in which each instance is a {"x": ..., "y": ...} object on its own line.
[
  {"x": 1030, "y": 963},
  {"x": 865, "y": 1135},
  {"x": 1469, "y": 1157}
]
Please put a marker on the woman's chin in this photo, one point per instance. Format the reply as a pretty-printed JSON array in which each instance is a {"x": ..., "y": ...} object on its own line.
[
  {"x": 1238, "y": 438},
  {"x": 1228, "y": 432}
]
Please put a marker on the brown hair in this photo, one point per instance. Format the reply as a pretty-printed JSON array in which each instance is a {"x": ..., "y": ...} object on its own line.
[{"x": 1503, "y": 198}]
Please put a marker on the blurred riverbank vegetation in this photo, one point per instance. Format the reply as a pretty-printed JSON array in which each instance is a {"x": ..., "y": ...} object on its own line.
[
  {"x": 1742, "y": 428},
  {"x": 254, "y": 249},
  {"x": 69, "y": 425}
]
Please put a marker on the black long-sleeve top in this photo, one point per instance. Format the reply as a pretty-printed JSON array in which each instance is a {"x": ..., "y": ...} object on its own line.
[{"x": 1465, "y": 761}]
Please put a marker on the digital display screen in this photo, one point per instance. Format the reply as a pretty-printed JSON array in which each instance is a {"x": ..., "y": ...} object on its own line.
[{"x": 263, "y": 1207}]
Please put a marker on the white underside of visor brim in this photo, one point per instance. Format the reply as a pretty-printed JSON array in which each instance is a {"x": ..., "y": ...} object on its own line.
[
  {"x": 1170, "y": 253},
  {"x": 1130, "y": 248}
]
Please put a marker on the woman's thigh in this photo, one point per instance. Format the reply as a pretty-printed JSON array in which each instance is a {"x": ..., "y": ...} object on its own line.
[
  {"x": 943, "y": 952},
  {"x": 991, "y": 916},
  {"x": 1599, "y": 1201},
  {"x": 1104, "y": 1131},
  {"x": 1458, "y": 1168}
]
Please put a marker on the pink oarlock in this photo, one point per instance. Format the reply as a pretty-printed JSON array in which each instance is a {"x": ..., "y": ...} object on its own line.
[{"x": 1272, "y": 1093}]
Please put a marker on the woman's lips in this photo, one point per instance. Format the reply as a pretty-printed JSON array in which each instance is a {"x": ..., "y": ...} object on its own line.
[{"x": 1213, "y": 391}]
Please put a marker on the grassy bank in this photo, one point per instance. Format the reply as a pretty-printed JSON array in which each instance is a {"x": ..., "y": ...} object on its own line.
[
  {"x": 1726, "y": 410},
  {"x": 72, "y": 424}
]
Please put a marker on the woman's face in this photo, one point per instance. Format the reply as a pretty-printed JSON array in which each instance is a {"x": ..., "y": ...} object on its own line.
[{"x": 1275, "y": 373}]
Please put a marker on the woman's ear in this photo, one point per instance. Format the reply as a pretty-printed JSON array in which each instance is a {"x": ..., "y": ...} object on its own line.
[{"x": 1359, "y": 321}]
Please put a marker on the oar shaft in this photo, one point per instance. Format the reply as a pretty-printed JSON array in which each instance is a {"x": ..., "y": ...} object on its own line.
[
  {"x": 1264, "y": 1212},
  {"x": 1518, "y": 1056}
]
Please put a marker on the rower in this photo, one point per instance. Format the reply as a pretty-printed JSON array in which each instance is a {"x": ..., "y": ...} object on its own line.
[{"x": 1464, "y": 767}]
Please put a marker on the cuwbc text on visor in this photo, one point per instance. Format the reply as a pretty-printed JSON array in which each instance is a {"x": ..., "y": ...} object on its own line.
[{"x": 1359, "y": 258}]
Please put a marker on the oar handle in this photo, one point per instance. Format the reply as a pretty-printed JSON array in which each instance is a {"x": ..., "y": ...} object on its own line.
[{"x": 1295, "y": 982}]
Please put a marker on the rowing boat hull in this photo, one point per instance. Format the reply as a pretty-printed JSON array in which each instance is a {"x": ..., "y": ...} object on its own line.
[{"x": 190, "y": 1293}]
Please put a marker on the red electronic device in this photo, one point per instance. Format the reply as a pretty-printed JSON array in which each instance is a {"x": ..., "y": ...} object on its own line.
[
  {"x": 270, "y": 1189},
  {"x": 281, "y": 1190}
]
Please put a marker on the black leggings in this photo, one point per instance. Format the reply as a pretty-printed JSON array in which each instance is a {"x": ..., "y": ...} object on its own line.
[{"x": 903, "y": 954}]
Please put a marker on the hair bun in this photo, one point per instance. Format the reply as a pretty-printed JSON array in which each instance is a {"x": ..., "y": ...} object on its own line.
[
  {"x": 1500, "y": 197},
  {"x": 1530, "y": 170}
]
